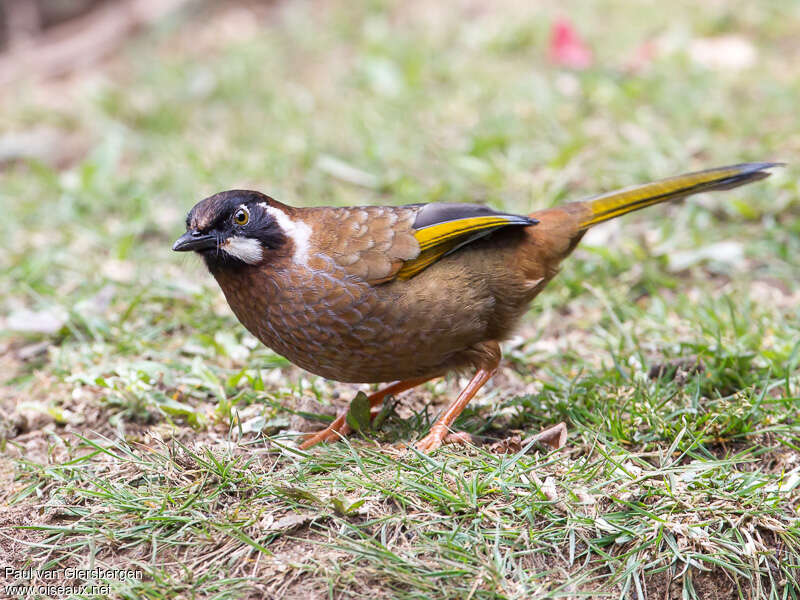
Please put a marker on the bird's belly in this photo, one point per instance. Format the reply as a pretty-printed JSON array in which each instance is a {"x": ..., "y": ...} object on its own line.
[
  {"x": 368, "y": 351},
  {"x": 343, "y": 329},
  {"x": 357, "y": 364}
]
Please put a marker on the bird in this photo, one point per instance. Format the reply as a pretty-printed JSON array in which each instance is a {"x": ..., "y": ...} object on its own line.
[{"x": 402, "y": 294}]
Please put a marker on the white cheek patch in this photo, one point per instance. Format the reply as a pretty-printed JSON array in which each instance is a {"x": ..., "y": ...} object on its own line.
[
  {"x": 299, "y": 232},
  {"x": 245, "y": 249}
]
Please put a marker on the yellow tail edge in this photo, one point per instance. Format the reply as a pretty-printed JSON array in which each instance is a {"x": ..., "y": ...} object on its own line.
[{"x": 613, "y": 204}]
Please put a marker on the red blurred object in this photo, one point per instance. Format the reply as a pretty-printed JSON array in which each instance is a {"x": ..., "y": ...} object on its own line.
[
  {"x": 642, "y": 57},
  {"x": 567, "y": 49}
]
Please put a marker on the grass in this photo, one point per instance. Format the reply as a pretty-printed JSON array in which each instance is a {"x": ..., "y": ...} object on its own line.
[{"x": 146, "y": 429}]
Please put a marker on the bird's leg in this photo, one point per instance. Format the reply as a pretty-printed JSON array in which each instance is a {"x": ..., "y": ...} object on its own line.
[
  {"x": 339, "y": 427},
  {"x": 440, "y": 432}
]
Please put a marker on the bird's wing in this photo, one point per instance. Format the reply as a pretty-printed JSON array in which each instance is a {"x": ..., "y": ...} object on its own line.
[
  {"x": 381, "y": 243},
  {"x": 368, "y": 242},
  {"x": 442, "y": 228}
]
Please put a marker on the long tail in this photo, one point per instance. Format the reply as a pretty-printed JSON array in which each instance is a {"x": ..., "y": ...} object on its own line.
[{"x": 613, "y": 204}]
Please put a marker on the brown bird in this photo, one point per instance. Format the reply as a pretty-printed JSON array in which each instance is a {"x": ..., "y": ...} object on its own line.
[{"x": 370, "y": 294}]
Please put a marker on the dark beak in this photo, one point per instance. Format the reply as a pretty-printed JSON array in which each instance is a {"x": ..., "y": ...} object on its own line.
[{"x": 194, "y": 240}]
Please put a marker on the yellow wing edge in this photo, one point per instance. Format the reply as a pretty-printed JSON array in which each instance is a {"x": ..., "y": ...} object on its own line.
[{"x": 440, "y": 238}]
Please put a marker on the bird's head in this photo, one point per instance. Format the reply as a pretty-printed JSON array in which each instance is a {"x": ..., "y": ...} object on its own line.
[{"x": 234, "y": 229}]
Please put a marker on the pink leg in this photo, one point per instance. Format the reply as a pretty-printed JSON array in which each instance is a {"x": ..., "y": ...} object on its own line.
[
  {"x": 440, "y": 433},
  {"x": 339, "y": 427}
]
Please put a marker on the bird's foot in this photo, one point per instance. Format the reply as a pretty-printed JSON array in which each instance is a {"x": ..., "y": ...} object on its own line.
[
  {"x": 439, "y": 436},
  {"x": 339, "y": 428},
  {"x": 332, "y": 433}
]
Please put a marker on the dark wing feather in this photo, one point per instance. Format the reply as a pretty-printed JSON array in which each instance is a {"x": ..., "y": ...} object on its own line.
[
  {"x": 442, "y": 228},
  {"x": 382, "y": 243}
]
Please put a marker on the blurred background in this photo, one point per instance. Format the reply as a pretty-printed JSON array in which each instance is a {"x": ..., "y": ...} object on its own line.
[
  {"x": 668, "y": 343},
  {"x": 118, "y": 115}
]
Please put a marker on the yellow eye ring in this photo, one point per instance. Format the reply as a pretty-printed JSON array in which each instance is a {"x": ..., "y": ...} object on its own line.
[{"x": 241, "y": 216}]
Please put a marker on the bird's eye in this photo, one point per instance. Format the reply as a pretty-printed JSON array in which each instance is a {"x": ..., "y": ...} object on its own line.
[{"x": 241, "y": 216}]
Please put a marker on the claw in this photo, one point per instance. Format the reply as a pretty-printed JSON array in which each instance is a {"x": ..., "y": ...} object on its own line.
[
  {"x": 429, "y": 443},
  {"x": 339, "y": 428},
  {"x": 333, "y": 432},
  {"x": 437, "y": 437}
]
